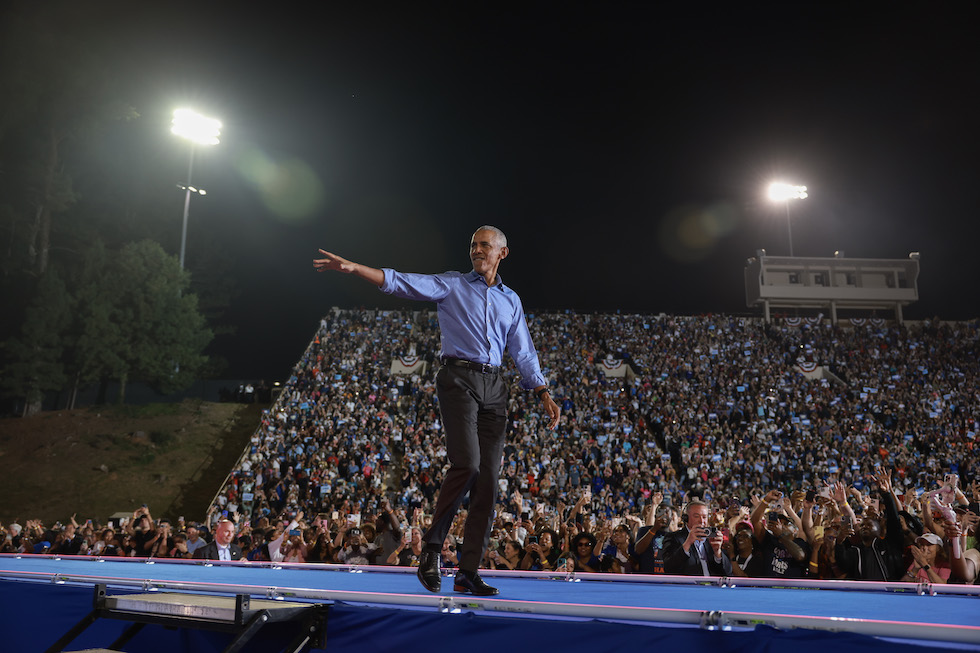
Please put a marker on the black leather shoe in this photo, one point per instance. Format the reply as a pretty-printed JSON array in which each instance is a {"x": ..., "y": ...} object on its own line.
[
  {"x": 471, "y": 583},
  {"x": 428, "y": 573}
]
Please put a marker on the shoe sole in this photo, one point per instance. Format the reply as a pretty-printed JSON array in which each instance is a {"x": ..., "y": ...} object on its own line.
[{"x": 466, "y": 590}]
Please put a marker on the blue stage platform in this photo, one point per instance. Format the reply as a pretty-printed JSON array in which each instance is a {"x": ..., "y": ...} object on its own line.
[{"x": 385, "y": 608}]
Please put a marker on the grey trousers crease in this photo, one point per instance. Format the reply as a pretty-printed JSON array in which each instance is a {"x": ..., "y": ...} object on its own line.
[{"x": 474, "y": 419}]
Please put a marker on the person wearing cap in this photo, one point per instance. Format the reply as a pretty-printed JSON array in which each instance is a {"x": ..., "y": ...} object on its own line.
[
  {"x": 740, "y": 547},
  {"x": 479, "y": 317},
  {"x": 778, "y": 552},
  {"x": 929, "y": 561}
]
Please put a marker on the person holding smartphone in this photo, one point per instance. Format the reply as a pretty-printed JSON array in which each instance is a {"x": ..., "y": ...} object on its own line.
[
  {"x": 540, "y": 552},
  {"x": 507, "y": 556},
  {"x": 294, "y": 547},
  {"x": 408, "y": 550}
]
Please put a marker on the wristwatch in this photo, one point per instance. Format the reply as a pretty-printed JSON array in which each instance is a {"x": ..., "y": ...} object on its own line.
[{"x": 541, "y": 392}]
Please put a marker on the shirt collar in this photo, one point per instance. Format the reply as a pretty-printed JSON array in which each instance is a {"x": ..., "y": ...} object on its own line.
[{"x": 473, "y": 277}]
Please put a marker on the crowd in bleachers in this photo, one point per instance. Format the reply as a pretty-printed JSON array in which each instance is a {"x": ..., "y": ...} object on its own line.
[{"x": 871, "y": 418}]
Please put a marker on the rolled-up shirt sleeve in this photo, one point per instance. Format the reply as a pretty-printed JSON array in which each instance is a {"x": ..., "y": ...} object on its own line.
[{"x": 423, "y": 287}]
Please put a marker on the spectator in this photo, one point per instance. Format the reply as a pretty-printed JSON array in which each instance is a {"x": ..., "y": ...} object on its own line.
[
  {"x": 407, "y": 553},
  {"x": 223, "y": 547},
  {"x": 777, "y": 552},
  {"x": 294, "y": 547},
  {"x": 695, "y": 550},
  {"x": 740, "y": 548},
  {"x": 194, "y": 541},
  {"x": 540, "y": 553},
  {"x": 161, "y": 543},
  {"x": 619, "y": 556},
  {"x": 507, "y": 556},
  {"x": 351, "y": 547},
  {"x": 179, "y": 549},
  {"x": 582, "y": 554},
  {"x": 873, "y": 555},
  {"x": 389, "y": 532},
  {"x": 322, "y": 549},
  {"x": 930, "y": 564}
]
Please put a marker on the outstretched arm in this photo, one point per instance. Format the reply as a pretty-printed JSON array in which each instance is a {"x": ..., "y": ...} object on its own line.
[{"x": 339, "y": 264}]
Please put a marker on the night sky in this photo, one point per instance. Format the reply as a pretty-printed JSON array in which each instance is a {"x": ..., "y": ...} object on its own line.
[{"x": 623, "y": 147}]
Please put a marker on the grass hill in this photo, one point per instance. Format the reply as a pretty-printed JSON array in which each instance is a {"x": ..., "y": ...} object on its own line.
[{"x": 97, "y": 461}]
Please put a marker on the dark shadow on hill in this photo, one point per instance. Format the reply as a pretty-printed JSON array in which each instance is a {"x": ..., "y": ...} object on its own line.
[{"x": 196, "y": 494}]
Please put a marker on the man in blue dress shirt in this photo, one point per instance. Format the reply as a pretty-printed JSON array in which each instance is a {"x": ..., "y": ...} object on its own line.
[{"x": 479, "y": 318}]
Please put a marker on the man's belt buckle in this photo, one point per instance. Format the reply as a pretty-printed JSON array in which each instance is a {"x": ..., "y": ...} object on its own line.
[{"x": 482, "y": 368}]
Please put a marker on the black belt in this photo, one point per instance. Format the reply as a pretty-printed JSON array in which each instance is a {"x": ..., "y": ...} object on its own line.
[{"x": 482, "y": 368}]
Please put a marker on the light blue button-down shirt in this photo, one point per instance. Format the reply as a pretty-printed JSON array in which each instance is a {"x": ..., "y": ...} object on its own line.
[{"x": 477, "y": 321}]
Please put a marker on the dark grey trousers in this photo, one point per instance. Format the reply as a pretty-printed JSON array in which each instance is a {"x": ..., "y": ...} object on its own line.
[{"x": 474, "y": 420}]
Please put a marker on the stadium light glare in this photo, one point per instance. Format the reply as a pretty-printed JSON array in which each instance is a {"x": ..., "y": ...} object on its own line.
[
  {"x": 199, "y": 130},
  {"x": 196, "y": 128},
  {"x": 780, "y": 192},
  {"x": 783, "y": 192}
]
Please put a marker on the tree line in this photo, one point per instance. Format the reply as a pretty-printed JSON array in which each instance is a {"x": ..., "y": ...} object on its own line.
[{"x": 89, "y": 293}]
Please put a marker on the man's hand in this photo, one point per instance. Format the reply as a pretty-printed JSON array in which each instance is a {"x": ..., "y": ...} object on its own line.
[
  {"x": 716, "y": 541},
  {"x": 695, "y": 533},
  {"x": 550, "y": 407},
  {"x": 333, "y": 262}
]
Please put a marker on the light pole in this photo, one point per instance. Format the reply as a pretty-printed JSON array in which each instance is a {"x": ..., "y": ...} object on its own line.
[
  {"x": 199, "y": 130},
  {"x": 780, "y": 192}
]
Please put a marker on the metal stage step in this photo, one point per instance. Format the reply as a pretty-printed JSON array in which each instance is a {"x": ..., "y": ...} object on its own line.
[{"x": 240, "y": 615}]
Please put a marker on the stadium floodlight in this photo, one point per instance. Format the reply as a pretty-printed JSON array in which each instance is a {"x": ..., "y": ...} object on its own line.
[
  {"x": 199, "y": 130},
  {"x": 782, "y": 192},
  {"x": 196, "y": 128}
]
